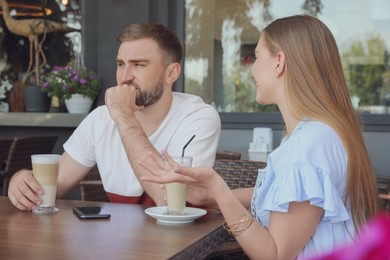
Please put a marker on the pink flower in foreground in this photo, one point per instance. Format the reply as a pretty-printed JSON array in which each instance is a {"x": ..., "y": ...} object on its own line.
[{"x": 372, "y": 244}]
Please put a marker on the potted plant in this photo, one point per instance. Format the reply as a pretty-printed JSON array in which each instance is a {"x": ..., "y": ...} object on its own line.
[{"x": 74, "y": 84}]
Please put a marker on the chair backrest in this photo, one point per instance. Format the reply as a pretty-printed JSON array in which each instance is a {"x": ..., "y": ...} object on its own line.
[
  {"x": 238, "y": 173},
  {"x": 383, "y": 186},
  {"x": 91, "y": 187},
  {"x": 228, "y": 155},
  {"x": 20, "y": 152},
  {"x": 5, "y": 145}
]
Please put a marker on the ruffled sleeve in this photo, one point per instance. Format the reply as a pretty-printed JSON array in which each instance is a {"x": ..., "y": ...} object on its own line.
[{"x": 306, "y": 182}]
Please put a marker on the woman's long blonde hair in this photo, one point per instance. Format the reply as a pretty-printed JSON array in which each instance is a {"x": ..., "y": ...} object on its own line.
[{"x": 317, "y": 89}]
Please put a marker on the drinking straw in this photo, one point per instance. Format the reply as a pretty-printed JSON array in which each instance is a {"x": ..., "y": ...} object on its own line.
[{"x": 182, "y": 153}]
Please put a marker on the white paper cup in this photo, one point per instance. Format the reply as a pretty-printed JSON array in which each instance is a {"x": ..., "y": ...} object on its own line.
[
  {"x": 45, "y": 170},
  {"x": 177, "y": 192}
]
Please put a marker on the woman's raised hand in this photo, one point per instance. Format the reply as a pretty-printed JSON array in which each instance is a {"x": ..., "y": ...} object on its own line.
[{"x": 203, "y": 181}]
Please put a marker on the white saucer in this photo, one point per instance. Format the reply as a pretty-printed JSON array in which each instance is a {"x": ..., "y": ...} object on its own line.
[{"x": 159, "y": 214}]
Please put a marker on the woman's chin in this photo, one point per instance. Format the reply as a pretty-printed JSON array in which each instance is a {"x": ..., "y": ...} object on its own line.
[{"x": 260, "y": 100}]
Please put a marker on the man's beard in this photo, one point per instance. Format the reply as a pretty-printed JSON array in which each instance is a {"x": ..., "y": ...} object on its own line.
[{"x": 149, "y": 97}]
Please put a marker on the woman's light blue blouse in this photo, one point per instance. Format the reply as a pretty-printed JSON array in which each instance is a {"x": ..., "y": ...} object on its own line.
[{"x": 310, "y": 165}]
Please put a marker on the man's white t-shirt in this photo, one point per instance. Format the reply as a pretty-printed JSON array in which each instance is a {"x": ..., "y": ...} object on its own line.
[{"x": 97, "y": 140}]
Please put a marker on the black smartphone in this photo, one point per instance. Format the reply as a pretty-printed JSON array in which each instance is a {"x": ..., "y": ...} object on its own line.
[{"x": 90, "y": 213}]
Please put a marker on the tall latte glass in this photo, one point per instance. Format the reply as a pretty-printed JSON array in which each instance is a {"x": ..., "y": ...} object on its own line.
[
  {"x": 177, "y": 192},
  {"x": 45, "y": 170}
]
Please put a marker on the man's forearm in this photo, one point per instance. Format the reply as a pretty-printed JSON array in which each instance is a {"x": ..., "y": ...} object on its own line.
[{"x": 138, "y": 147}]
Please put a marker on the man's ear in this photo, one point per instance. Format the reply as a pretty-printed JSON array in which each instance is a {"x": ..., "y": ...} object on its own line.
[{"x": 172, "y": 73}]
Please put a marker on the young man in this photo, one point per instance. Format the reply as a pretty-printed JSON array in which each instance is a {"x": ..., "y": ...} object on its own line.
[{"x": 141, "y": 116}]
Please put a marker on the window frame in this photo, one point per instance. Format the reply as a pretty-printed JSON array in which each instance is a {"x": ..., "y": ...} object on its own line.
[{"x": 370, "y": 122}]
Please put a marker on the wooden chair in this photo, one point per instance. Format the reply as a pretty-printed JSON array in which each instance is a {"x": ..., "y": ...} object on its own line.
[
  {"x": 383, "y": 185},
  {"x": 5, "y": 145},
  {"x": 20, "y": 152},
  {"x": 237, "y": 174},
  {"x": 228, "y": 155},
  {"x": 91, "y": 187}
]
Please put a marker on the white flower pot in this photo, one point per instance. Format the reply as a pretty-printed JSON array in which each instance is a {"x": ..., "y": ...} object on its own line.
[
  {"x": 78, "y": 104},
  {"x": 4, "y": 107}
]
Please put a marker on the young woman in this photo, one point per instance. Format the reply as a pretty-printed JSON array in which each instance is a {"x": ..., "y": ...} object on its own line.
[{"x": 319, "y": 188}]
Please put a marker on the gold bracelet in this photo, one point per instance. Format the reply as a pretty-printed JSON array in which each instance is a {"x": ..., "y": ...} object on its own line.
[{"x": 235, "y": 229}]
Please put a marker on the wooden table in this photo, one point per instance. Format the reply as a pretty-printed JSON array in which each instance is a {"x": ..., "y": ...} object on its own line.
[{"x": 129, "y": 234}]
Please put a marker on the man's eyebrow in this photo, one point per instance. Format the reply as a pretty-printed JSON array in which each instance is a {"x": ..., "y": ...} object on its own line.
[
  {"x": 139, "y": 60},
  {"x": 133, "y": 60}
]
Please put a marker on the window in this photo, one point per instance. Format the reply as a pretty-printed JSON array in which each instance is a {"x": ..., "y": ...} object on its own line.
[
  {"x": 58, "y": 46},
  {"x": 220, "y": 37}
]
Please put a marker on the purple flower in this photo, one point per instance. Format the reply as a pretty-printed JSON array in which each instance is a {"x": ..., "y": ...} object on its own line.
[
  {"x": 70, "y": 79},
  {"x": 46, "y": 85}
]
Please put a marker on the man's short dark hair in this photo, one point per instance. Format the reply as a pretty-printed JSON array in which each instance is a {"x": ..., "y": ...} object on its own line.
[{"x": 166, "y": 39}]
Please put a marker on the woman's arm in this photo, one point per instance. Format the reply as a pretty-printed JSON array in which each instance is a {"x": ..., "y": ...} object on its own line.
[
  {"x": 244, "y": 195},
  {"x": 288, "y": 232},
  {"x": 286, "y": 235}
]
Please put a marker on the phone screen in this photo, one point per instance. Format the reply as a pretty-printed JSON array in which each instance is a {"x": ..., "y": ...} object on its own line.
[{"x": 90, "y": 212}]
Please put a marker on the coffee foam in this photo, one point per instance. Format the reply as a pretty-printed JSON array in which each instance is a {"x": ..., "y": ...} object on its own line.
[{"x": 45, "y": 158}]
